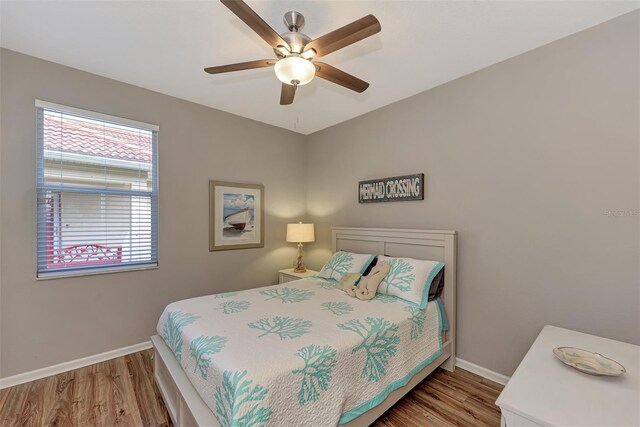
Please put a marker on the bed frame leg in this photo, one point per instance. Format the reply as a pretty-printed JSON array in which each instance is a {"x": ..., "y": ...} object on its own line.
[{"x": 449, "y": 364}]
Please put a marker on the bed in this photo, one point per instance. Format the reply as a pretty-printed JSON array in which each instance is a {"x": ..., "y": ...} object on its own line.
[{"x": 304, "y": 353}]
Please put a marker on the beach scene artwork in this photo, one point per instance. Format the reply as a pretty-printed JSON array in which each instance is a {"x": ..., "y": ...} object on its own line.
[{"x": 238, "y": 216}]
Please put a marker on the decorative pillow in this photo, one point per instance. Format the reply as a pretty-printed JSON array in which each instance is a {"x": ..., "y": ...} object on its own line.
[
  {"x": 437, "y": 286},
  {"x": 373, "y": 264},
  {"x": 345, "y": 262},
  {"x": 409, "y": 279}
]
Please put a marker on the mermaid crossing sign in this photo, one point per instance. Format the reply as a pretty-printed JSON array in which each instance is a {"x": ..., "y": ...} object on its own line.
[{"x": 397, "y": 188}]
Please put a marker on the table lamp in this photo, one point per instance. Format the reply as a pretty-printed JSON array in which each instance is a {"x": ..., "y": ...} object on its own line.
[{"x": 300, "y": 233}]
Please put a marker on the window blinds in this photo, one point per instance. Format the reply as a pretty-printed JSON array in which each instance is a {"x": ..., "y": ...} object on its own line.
[{"x": 97, "y": 192}]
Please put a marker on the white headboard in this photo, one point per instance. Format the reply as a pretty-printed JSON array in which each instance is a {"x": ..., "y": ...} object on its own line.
[{"x": 437, "y": 245}]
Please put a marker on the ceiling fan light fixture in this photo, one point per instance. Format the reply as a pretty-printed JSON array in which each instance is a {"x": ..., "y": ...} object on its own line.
[{"x": 295, "y": 70}]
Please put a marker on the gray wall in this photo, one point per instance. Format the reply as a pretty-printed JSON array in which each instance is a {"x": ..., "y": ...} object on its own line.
[
  {"x": 527, "y": 159},
  {"x": 53, "y": 321},
  {"x": 524, "y": 159}
]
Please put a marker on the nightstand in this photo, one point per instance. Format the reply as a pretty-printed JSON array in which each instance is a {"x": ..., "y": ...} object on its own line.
[{"x": 287, "y": 275}]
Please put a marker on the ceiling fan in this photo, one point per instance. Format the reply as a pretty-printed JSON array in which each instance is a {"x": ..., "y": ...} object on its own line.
[{"x": 295, "y": 50}]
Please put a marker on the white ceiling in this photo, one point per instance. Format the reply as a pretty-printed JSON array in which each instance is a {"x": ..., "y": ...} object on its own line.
[{"x": 164, "y": 45}]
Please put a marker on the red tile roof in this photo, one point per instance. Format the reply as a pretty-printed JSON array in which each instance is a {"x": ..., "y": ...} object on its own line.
[{"x": 69, "y": 135}]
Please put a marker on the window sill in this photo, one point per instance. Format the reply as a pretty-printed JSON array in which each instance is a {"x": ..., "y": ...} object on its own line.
[{"x": 80, "y": 273}]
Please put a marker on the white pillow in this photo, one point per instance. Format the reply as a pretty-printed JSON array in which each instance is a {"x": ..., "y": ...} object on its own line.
[
  {"x": 343, "y": 262},
  {"x": 409, "y": 279}
]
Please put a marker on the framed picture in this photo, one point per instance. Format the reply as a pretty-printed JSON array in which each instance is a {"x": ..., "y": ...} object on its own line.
[{"x": 236, "y": 216}]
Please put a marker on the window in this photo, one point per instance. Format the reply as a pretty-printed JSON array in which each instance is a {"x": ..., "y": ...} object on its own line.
[{"x": 97, "y": 192}]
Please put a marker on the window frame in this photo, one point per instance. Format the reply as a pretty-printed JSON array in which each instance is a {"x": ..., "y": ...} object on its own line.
[{"x": 153, "y": 195}]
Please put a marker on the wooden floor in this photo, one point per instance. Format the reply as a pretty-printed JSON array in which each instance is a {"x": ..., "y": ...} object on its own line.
[{"x": 121, "y": 392}]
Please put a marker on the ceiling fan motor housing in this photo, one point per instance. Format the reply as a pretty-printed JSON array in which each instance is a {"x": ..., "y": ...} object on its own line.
[
  {"x": 293, "y": 20},
  {"x": 294, "y": 38}
]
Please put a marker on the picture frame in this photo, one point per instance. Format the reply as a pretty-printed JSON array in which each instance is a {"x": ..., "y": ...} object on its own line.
[{"x": 236, "y": 216}]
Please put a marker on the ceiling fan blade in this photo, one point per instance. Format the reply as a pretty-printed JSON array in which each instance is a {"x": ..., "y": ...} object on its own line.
[
  {"x": 257, "y": 24},
  {"x": 240, "y": 66},
  {"x": 344, "y": 36},
  {"x": 287, "y": 93},
  {"x": 334, "y": 75}
]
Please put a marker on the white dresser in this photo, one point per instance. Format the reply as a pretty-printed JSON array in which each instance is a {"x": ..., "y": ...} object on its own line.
[{"x": 545, "y": 392}]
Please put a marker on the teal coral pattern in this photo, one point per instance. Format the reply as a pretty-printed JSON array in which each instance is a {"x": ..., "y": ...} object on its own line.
[
  {"x": 338, "y": 308},
  {"x": 319, "y": 363},
  {"x": 287, "y": 295},
  {"x": 338, "y": 265},
  {"x": 384, "y": 298},
  {"x": 202, "y": 347},
  {"x": 230, "y": 307},
  {"x": 400, "y": 276},
  {"x": 172, "y": 330},
  {"x": 225, "y": 295},
  {"x": 284, "y": 327},
  {"x": 238, "y": 403},
  {"x": 328, "y": 285},
  {"x": 417, "y": 319},
  {"x": 379, "y": 341}
]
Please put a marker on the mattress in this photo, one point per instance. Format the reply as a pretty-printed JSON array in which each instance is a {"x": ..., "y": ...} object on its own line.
[{"x": 301, "y": 353}]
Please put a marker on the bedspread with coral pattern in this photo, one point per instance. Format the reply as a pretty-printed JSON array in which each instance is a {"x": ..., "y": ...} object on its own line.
[{"x": 299, "y": 354}]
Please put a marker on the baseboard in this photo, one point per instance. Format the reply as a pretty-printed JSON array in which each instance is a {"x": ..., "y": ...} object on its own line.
[
  {"x": 483, "y": 372},
  {"x": 71, "y": 365},
  {"x": 90, "y": 360}
]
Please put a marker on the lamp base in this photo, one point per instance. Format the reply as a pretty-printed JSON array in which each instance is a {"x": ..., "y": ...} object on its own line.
[{"x": 299, "y": 268}]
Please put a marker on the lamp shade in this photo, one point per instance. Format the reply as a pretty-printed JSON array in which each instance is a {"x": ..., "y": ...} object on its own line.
[{"x": 300, "y": 233}]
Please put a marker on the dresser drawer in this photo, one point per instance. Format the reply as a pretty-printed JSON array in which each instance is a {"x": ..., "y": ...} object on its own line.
[{"x": 509, "y": 419}]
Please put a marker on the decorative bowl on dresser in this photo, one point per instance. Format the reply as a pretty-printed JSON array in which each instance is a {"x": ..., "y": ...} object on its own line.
[{"x": 588, "y": 362}]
